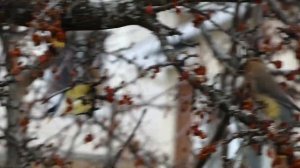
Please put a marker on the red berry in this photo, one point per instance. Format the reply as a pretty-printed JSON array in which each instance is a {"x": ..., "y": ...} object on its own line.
[
  {"x": 184, "y": 76},
  {"x": 69, "y": 101},
  {"x": 198, "y": 19},
  {"x": 15, "y": 52},
  {"x": 258, "y": 1},
  {"x": 58, "y": 161},
  {"x": 36, "y": 39},
  {"x": 24, "y": 122},
  {"x": 278, "y": 64},
  {"x": 178, "y": 10},
  {"x": 110, "y": 98},
  {"x": 247, "y": 105},
  {"x": 109, "y": 90},
  {"x": 88, "y": 138},
  {"x": 60, "y": 36},
  {"x": 69, "y": 109},
  {"x": 149, "y": 9},
  {"x": 200, "y": 70},
  {"x": 156, "y": 69},
  {"x": 43, "y": 59},
  {"x": 139, "y": 162},
  {"x": 291, "y": 76}
]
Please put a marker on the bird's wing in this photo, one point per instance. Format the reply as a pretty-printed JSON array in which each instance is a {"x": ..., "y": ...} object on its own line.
[
  {"x": 268, "y": 86},
  {"x": 83, "y": 100},
  {"x": 80, "y": 90}
]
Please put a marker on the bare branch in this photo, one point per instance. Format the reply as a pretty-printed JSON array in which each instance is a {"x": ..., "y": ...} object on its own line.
[{"x": 126, "y": 143}]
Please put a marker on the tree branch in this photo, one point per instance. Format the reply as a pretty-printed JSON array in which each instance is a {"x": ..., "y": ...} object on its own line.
[
  {"x": 126, "y": 143},
  {"x": 83, "y": 16}
]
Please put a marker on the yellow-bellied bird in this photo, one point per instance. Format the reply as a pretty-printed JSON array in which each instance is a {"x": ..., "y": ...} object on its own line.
[
  {"x": 78, "y": 100},
  {"x": 277, "y": 104}
]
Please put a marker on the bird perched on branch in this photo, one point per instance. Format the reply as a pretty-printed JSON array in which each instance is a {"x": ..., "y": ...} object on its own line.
[
  {"x": 78, "y": 100},
  {"x": 82, "y": 99},
  {"x": 263, "y": 87}
]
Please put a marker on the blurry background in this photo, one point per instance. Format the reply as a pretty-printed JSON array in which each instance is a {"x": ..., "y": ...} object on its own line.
[{"x": 164, "y": 130}]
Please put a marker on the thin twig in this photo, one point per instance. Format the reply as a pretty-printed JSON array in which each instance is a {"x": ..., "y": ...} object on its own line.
[
  {"x": 279, "y": 12},
  {"x": 126, "y": 143}
]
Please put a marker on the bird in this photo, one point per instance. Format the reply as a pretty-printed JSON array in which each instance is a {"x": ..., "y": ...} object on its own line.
[
  {"x": 81, "y": 97},
  {"x": 264, "y": 88},
  {"x": 77, "y": 100}
]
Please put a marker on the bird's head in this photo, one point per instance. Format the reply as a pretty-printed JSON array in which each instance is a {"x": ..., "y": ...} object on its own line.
[{"x": 253, "y": 65}]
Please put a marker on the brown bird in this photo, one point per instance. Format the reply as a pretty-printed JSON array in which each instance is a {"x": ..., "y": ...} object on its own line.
[{"x": 264, "y": 88}]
